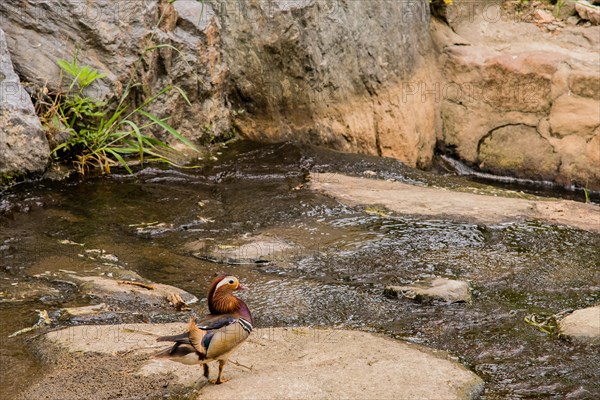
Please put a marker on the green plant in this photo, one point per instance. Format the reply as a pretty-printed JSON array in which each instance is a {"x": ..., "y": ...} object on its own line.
[
  {"x": 105, "y": 137},
  {"x": 586, "y": 192},
  {"x": 547, "y": 323},
  {"x": 82, "y": 74},
  {"x": 558, "y": 6}
]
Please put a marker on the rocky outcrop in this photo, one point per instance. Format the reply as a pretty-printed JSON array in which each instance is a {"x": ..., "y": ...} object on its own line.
[
  {"x": 359, "y": 77},
  {"x": 23, "y": 146},
  {"x": 520, "y": 102},
  {"x": 588, "y": 11},
  {"x": 335, "y": 73},
  {"x": 152, "y": 43},
  {"x": 279, "y": 363}
]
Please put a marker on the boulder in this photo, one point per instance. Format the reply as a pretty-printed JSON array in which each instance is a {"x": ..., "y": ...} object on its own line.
[
  {"x": 149, "y": 41},
  {"x": 24, "y": 148},
  {"x": 583, "y": 325},
  {"x": 436, "y": 289},
  {"x": 357, "y": 77},
  {"x": 277, "y": 363}
]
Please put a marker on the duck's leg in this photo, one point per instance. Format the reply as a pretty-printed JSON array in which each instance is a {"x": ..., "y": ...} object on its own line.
[
  {"x": 219, "y": 378},
  {"x": 206, "y": 370}
]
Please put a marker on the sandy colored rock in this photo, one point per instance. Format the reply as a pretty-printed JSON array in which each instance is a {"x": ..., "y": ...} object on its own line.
[
  {"x": 514, "y": 74},
  {"x": 278, "y": 363},
  {"x": 437, "y": 289},
  {"x": 580, "y": 158},
  {"x": 582, "y": 325},
  {"x": 85, "y": 310},
  {"x": 588, "y": 11},
  {"x": 435, "y": 202},
  {"x": 247, "y": 250}
]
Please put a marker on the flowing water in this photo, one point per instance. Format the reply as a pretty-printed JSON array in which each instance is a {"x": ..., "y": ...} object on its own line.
[{"x": 333, "y": 273}]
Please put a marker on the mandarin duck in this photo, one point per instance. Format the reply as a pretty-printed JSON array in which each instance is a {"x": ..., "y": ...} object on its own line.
[{"x": 217, "y": 334}]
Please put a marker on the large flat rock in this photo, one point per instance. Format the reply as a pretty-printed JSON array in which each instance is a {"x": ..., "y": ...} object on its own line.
[
  {"x": 274, "y": 363},
  {"x": 436, "y": 202}
]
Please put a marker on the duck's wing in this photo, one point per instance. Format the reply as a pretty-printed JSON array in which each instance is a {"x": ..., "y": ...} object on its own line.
[
  {"x": 213, "y": 337},
  {"x": 211, "y": 322}
]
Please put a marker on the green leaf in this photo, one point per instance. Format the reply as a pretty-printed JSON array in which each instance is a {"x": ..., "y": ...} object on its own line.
[
  {"x": 169, "y": 129},
  {"x": 183, "y": 94},
  {"x": 139, "y": 137},
  {"x": 120, "y": 159}
]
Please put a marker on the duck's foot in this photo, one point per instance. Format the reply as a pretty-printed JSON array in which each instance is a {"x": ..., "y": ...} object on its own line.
[{"x": 218, "y": 381}]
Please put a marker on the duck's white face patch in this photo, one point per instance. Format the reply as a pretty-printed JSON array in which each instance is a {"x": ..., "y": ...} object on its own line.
[{"x": 228, "y": 280}]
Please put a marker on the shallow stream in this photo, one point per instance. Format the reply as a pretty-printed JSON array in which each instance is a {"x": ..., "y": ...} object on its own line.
[{"x": 332, "y": 274}]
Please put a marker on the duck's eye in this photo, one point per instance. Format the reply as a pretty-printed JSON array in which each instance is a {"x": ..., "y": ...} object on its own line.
[{"x": 231, "y": 282}]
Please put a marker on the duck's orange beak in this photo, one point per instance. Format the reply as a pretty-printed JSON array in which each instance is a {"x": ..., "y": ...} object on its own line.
[{"x": 241, "y": 287}]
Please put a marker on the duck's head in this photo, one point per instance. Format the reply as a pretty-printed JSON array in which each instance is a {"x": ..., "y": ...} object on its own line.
[
  {"x": 220, "y": 294},
  {"x": 227, "y": 283}
]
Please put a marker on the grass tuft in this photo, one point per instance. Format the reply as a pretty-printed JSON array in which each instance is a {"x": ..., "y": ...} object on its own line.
[{"x": 103, "y": 137}]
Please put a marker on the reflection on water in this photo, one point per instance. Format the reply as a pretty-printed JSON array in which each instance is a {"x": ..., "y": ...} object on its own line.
[{"x": 332, "y": 273}]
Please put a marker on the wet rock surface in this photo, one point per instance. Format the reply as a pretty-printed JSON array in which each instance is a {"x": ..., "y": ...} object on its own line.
[
  {"x": 246, "y": 250},
  {"x": 125, "y": 291},
  {"x": 582, "y": 325},
  {"x": 435, "y": 289},
  {"x": 285, "y": 363}
]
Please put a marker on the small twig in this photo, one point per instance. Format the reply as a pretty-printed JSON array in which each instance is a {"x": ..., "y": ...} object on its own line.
[
  {"x": 140, "y": 284},
  {"x": 241, "y": 365},
  {"x": 126, "y": 330}
]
